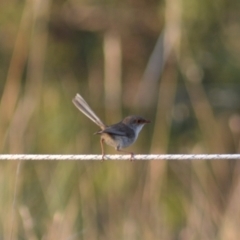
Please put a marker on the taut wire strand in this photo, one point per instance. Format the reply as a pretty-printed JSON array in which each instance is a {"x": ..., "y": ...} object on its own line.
[{"x": 66, "y": 157}]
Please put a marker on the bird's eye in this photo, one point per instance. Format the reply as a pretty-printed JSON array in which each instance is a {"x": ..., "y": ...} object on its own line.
[{"x": 139, "y": 121}]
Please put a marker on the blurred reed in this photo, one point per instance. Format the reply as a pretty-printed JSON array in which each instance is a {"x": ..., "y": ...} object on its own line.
[
  {"x": 112, "y": 76},
  {"x": 12, "y": 86},
  {"x": 102, "y": 50}
]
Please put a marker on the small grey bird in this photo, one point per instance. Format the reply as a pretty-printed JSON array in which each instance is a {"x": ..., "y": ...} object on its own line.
[{"x": 119, "y": 135}]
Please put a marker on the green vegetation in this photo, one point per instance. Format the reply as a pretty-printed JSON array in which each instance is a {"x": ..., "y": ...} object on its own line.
[{"x": 174, "y": 62}]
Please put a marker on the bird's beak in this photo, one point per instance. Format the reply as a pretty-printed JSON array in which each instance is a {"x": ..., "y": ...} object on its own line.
[{"x": 147, "y": 121}]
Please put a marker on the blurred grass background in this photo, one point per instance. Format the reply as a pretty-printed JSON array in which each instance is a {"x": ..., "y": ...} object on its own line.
[{"x": 174, "y": 62}]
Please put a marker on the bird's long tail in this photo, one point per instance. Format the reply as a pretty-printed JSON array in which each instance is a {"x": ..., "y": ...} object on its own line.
[{"x": 82, "y": 105}]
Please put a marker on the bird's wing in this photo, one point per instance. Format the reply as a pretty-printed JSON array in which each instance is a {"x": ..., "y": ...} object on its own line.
[
  {"x": 118, "y": 129},
  {"x": 113, "y": 131}
]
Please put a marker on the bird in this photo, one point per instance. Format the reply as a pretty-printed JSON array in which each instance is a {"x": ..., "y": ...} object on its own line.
[{"x": 119, "y": 135}]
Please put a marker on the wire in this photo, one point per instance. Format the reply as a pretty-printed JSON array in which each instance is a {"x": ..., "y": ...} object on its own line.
[{"x": 49, "y": 157}]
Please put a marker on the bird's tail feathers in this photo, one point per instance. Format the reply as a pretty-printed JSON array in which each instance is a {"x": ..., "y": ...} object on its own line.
[{"x": 82, "y": 105}]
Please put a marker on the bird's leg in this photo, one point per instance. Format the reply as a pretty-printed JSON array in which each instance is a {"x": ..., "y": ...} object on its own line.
[
  {"x": 132, "y": 156},
  {"x": 131, "y": 153},
  {"x": 102, "y": 148}
]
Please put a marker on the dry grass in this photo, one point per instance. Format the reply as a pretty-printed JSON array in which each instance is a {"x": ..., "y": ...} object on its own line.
[{"x": 114, "y": 200}]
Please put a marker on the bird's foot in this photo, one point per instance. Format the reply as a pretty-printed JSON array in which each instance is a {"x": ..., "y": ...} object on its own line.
[{"x": 132, "y": 157}]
